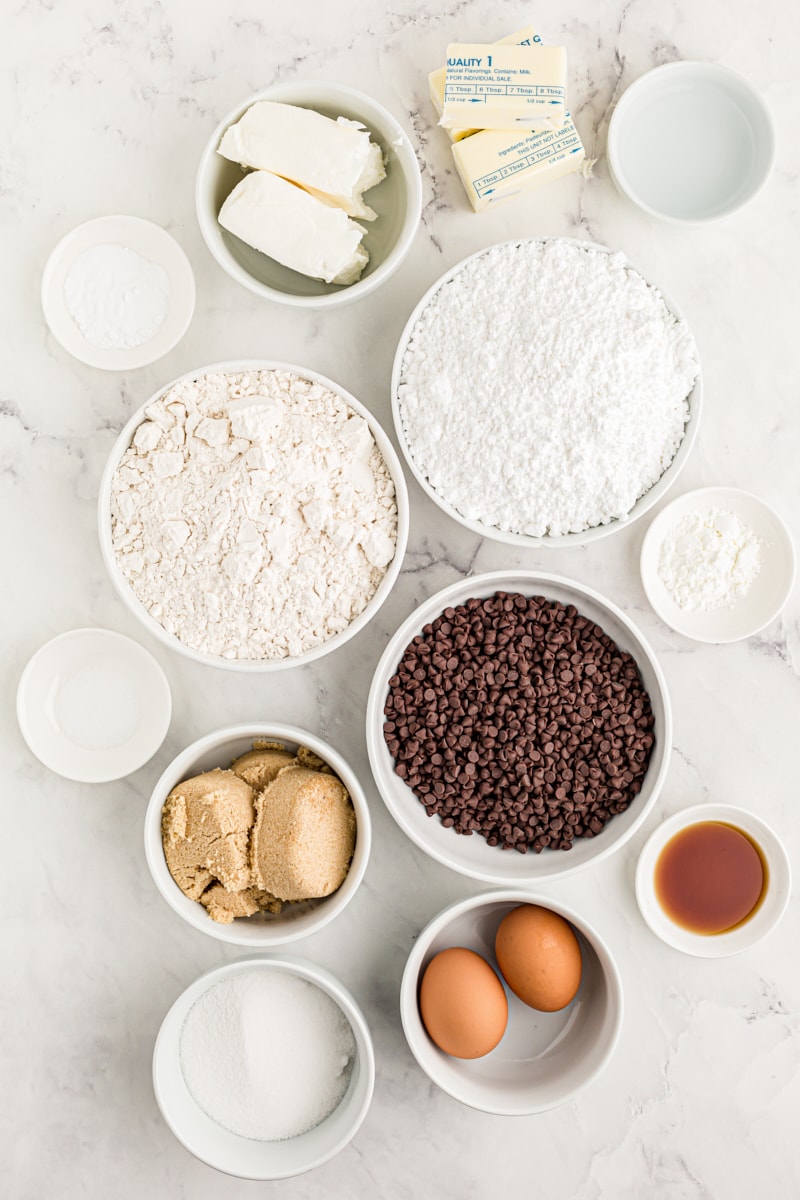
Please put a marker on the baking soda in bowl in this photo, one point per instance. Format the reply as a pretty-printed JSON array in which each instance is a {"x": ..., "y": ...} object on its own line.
[{"x": 266, "y": 1055}]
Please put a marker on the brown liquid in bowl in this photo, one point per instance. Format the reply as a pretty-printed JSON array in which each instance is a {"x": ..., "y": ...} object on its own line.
[{"x": 710, "y": 877}]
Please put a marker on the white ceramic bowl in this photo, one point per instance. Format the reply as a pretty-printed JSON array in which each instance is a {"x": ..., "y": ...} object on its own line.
[
  {"x": 397, "y": 200},
  {"x": 543, "y": 1059},
  {"x": 771, "y": 587},
  {"x": 642, "y": 505},
  {"x": 691, "y": 142},
  {"x": 473, "y": 856},
  {"x": 264, "y": 930},
  {"x": 151, "y": 242},
  {"x": 243, "y": 1157},
  {"x": 767, "y": 915},
  {"x": 93, "y": 705},
  {"x": 251, "y": 664}
]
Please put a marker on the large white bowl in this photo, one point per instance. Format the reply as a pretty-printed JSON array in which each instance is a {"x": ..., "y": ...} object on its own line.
[
  {"x": 473, "y": 856},
  {"x": 642, "y": 505},
  {"x": 543, "y": 1058},
  {"x": 253, "y": 664},
  {"x": 243, "y": 1157},
  {"x": 264, "y": 930},
  {"x": 397, "y": 200}
]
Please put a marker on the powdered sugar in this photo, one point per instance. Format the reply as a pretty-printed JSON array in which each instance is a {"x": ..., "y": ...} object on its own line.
[
  {"x": 253, "y": 514},
  {"x": 117, "y": 298},
  {"x": 544, "y": 388},
  {"x": 709, "y": 560}
]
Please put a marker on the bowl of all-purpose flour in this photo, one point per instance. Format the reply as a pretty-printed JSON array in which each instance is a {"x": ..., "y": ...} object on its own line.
[
  {"x": 544, "y": 393},
  {"x": 253, "y": 515}
]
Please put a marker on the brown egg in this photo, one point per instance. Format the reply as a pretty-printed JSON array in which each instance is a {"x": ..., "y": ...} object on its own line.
[
  {"x": 462, "y": 1003},
  {"x": 539, "y": 956}
]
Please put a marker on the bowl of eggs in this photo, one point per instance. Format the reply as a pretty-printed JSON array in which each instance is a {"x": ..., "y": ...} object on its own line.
[{"x": 511, "y": 1002}]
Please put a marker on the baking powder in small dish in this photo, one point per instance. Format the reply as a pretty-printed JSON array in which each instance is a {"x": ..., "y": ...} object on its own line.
[{"x": 116, "y": 297}]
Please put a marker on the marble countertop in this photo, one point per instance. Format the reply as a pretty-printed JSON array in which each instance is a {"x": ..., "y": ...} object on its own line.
[{"x": 105, "y": 108}]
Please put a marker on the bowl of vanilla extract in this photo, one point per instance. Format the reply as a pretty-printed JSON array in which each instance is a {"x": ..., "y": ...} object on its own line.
[{"x": 713, "y": 880}]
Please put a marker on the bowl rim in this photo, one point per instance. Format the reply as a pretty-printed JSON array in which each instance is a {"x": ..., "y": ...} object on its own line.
[
  {"x": 180, "y": 766},
  {"x": 304, "y": 969},
  {"x": 586, "y": 536},
  {"x": 731, "y": 942},
  {"x": 254, "y": 665},
  {"x": 159, "y": 694},
  {"x": 693, "y": 68},
  {"x": 408, "y": 987},
  {"x": 656, "y": 532},
  {"x": 486, "y": 584},
  {"x": 291, "y": 92}
]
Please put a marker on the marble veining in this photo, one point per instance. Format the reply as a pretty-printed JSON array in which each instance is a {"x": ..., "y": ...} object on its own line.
[{"x": 105, "y": 107}]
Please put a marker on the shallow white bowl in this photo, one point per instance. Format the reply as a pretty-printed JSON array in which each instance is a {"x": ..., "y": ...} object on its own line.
[
  {"x": 770, "y": 589},
  {"x": 154, "y": 244},
  {"x": 691, "y": 142},
  {"x": 263, "y": 930},
  {"x": 93, "y": 705},
  {"x": 766, "y": 917},
  {"x": 397, "y": 200},
  {"x": 242, "y": 1157},
  {"x": 642, "y": 505},
  {"x": 252, "y": 664},
  {"x": 543, "y": 1059},
  {"x": 473, "y": 856}
]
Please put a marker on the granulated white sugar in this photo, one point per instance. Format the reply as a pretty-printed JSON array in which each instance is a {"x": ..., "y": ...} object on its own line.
[
  {"x": 266, "y": 1054},
  {"x": 253, "y": 514},
  {"x": 544, "y": 388},
  {"x": 709, "y": 560}
]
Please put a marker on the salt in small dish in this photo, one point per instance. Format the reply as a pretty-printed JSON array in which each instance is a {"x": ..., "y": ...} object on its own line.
[
  {"x": 93, "y": 705},
  {"x": 770, "y": 589},
  {"x": 247, "y": 1158},
  {"x": 752, "y": 929},
  {"x": 152, "y": 243}
]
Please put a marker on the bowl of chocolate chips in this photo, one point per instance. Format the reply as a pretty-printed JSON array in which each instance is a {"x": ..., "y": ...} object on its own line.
[{"x": 519, "y": 727}]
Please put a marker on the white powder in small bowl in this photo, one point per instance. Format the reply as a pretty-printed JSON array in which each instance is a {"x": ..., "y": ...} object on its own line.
[
  {"x": 709, "y": 560},
  {"x": 266, "y": 1055},
  {"x": 117, "y": 298}
]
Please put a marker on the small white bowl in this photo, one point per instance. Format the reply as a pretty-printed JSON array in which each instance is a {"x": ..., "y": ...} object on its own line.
[
  {"x": 771, "y": 587},
  {"x": 543, "y": 1059},
  {"x": 151, "y": 242},
  {"x": 258, "y": 665},
  {"x": 263, "y": 930},
  {"x": 642, "y": 505},
  {"x": 771, "y": 907},
  {"x": 246, "y": 1158},
  {"x": 397, "y": 200},
  {"x": 473, "y": 856},
  {"x": 93, "y": 705},
  {"x": 691, "y": 142}
]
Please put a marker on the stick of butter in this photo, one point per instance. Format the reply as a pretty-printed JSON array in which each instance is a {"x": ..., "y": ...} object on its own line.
[
  {"x": 333, "y": 159},
  {"x": 496, "y": 164},
  {"x": 436, "y": 79},
  {"x": 504, "y": 87},
  {"x": 295, "y": 228}
]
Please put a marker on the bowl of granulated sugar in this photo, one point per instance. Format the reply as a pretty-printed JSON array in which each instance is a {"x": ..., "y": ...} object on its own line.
[
  {"x": 545, "y": 393},
  {"x": 264, "y": 1068}
]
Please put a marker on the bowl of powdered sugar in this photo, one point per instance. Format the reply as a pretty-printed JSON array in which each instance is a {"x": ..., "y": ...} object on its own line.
[
  {"x": 253, "y": 515},
  {"x": 264, "y": 1068},
  {"x": 544, "y": 393}
]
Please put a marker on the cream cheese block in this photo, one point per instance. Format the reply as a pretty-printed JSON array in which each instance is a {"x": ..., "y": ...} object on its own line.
[
  {"x": 334, "y": 160},
  {"x": 504, "y": 87},
  {"x": 496, "y": 164},
  {"x": 436, "y": 79},
  {"x": 295, "y": 228}
]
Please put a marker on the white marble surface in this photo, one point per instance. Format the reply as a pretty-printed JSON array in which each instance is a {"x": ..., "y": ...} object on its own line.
[{"x": 105, "y": 108}]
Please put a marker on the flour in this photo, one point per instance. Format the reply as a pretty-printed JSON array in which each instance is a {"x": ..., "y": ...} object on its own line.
[
  {"x": 544, "y": 388},
  {"x": 253, "y": 514},
  {"x": 709, "y": 560},
  {"x": 117, "y": 299}
]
